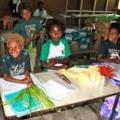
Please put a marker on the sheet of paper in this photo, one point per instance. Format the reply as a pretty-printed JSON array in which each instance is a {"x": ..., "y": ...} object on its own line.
[
  {"x": 36, "y": 81},
  {"x": 10, "y": 87},
  {"x": 56, "y": 90}
]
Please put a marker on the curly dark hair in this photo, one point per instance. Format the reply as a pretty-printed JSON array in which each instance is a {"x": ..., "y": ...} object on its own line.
[
  {"x": 40, "y": 2},
  {"x": 55, "y": 22},
  {"x": 24, "y": 6},
  {"x": 116, "y": 26}
]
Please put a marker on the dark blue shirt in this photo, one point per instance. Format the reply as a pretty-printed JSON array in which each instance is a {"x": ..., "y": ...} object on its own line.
[
  {"x": 108, "y": 49},
  {"x": 13, "y": 67}
]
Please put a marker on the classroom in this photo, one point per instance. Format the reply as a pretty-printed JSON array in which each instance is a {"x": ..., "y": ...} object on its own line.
[{"x": 59, "y": 60}]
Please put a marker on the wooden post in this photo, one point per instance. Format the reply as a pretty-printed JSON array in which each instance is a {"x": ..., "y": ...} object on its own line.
[
  {"x": 66, "y": 7},
  {"x": 94, "y": 6},
  {"x": 106, "y": 7},
  {"x": 81, "y": 6}
]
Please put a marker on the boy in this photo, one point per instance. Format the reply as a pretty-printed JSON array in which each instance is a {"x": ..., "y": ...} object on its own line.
[
  {"x": 110, "y": 49},
  {"x": 29, "y": 28},
  {"x": 40, "y": 11},
  {"x": 55, "y": 52},
  {"x": 16, "y": 61}
]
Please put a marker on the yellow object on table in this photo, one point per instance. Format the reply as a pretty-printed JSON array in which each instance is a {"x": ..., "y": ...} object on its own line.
[{"x": 84, "y": 76}]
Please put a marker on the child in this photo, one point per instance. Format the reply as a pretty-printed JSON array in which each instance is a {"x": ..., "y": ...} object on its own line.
[
  {"x": 40, "y": 11},
  {"x": 7, "y": 22},
  {"x": 55, "y": 52},
  {"x": 16, "y": 61},
  {"x": 110, "y": 49},
  {"x": 30, "y": 29}
]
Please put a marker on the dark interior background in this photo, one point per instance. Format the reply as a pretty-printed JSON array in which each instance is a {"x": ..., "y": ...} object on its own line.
[{"x": 56, "y": 7}]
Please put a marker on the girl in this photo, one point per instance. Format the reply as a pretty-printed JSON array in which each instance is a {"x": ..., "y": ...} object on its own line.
[
  {"x": 55, "y": 52},
  {"x": 16, "y": 61}
]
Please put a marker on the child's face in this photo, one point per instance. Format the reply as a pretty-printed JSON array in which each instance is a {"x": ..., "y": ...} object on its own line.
[
  {"x": 14, "y": 49},
  {"x": 26, "y": 14},
  {"x": 56, "y": 33},
  {"x": 113, "y": 35}
]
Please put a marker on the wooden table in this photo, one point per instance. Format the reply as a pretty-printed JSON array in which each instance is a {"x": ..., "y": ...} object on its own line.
[{"x": 78, "y": 96}]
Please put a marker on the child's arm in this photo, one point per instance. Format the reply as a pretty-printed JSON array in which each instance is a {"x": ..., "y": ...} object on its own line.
[
  {"x": 65, "y": 61},
  {"x": 26, "y": 80},
  {"x": 51, "y": 64},
  {"x": 28, "y": 77},
  {"x": 12, "y": 79},
  {"x": 107, "y": 59}
]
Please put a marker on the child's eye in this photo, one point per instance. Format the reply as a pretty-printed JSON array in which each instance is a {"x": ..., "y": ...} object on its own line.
[{"x": 14, "y": 49}]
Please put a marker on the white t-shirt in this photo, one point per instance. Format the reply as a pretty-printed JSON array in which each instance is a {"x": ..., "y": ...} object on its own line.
[
  {"x": 42, "y": 13},
  {"x": 56, "y": 50},
  {"x": 15, "y": 1}
]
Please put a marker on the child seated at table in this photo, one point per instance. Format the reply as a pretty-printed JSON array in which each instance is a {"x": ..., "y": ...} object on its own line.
[
  {"x": 16, "y": 61},
  {"x": 110, "y": 48},
  {"x": 55, "y": 52}
]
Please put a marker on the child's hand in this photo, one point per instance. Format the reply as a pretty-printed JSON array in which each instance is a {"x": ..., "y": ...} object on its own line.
[
  {"x": 27, "y": 78},
  {"x": 116, "y": 60},
  {"x": 51, "y": 62},
  {"x": 30, "y": 83}
]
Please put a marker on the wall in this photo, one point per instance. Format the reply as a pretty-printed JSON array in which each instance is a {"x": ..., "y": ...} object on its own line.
[
  {"x": 4, "y": 7},
  {"x": 56, "y": 7}
]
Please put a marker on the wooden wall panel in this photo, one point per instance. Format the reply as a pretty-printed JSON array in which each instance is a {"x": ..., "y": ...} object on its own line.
[
  {"x": 112, "y": 4},
  {"x": 101, "y": 4},
  {"x": 74, "y": 4},
  {"x": 56, "y": 7},
  {"x": 88, "y": 4},
  {"x": 4, "y": 8}
]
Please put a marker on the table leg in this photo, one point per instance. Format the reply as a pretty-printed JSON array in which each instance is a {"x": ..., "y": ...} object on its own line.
[
  {"x": 114, "y": 106},
  {"x": 2, "y": 114}
]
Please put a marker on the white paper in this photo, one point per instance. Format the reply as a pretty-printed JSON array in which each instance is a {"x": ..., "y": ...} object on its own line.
[
  {"x": 55, "y": 90},
  {"x": 10, "y": 87},
  {"x": 117, "y": 75},
  {"x": 58, "y": 65},
  {"x": 36, "y": 81}
]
